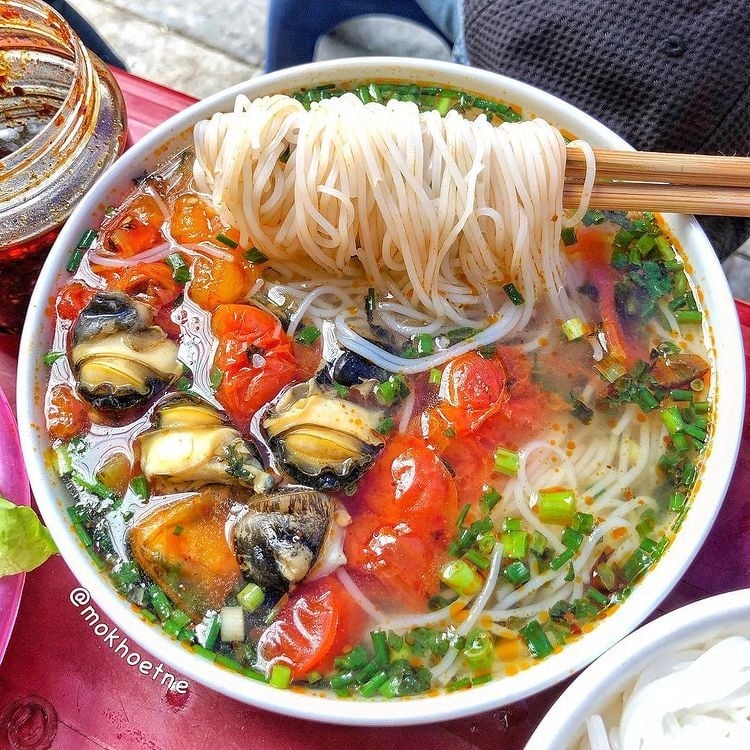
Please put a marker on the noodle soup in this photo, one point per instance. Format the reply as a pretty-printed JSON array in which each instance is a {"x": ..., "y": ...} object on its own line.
[{"x": 345, "y": 400}]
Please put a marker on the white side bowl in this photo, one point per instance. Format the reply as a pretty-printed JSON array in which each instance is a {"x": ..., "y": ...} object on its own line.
[
  {"x": 725, "y": 343},
  {"x": 595, "y": 689}
]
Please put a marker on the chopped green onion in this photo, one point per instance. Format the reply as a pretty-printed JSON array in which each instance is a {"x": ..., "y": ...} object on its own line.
[
  {"x": 564, "y": 557},
  {"x": 515, "y": 544},
  {"x": 435, "y": 376},
  {"x": 636, "y": 565},
  {"x": 225, "y": 240},
  {"x": 489, "y": 499},
  {"x": 177, "y": 530},
  {"x": 538, "y": 543},
  {"x": 461, "y": 577},
  {"x": 462, "y": 515},
  {"x": 607, "y": 576},
  {"x": 571, "y": 538},
  {"x": 211, "y": 632},
  {"x": 180, "y": 270},
  {"x": 139, "y": 485},
  {"x": 486, "y": 542},
  {"x": 392, "y": 390},
  {"x": 84, "y": 243},
  {"x": 517, "y": 572},
  {"x": 557, "y": 506},
  {"x": 255, "y": 256},
  {"x": 513, "y": 294},
  {"x": 592, "y": 217},
  {"x": 51, "y": 357},
  {"x": 251, "y": 597},
  {"x": 673, "y": 420},
  {"x": 424, "y": 344},
  {"x": 568, "y": 236},
  {"x": 148, "y": 615},
  {"x": 308, "y": 335},
  {"x": 204, "y": 652},
  {"x": 596, "y": 596},
  {"x": 373, "y": 685},
  {"x": 506, "y": 461},
  {"x": 685, "y": 317},
  {"x": 583, "y": 522},
  {"x": 281, "y": 676},
  {"x": 677, "y": 501},
  {"x": 536, "y": 639},
  {"x": 387, "y": 426},
  {"x": 477, "y": 558},
  {"x": 160, "y": 602},
  {"x": 610, "y": 368},
  {"x": 381, "y": 650},
  {"x": 215, "y": 377},
  {"x": 478, "y": 650},
  {"x": 573, "y": 329}
]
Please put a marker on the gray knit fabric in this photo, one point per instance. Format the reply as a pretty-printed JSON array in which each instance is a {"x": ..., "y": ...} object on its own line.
[{"x": 667, "y": 76}]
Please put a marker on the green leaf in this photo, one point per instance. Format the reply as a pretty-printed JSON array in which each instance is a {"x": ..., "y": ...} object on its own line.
[{"x": 24, "y": 542}]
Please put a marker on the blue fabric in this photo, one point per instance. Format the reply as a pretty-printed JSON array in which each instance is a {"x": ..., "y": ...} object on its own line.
[{"x": 294, "y": 26}]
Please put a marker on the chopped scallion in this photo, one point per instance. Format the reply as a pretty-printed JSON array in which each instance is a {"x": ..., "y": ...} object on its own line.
[
  {"x": 506, "y": 461},
  {"x": 557, "y": 506}
]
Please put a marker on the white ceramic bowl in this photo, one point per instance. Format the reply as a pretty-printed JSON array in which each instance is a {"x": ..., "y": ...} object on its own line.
[
  {"x": 595, "y": 689},
  {"x": 51, "y": 495}
]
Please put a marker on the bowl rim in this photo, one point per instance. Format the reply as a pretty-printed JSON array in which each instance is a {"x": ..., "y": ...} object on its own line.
[
  {"x": 674, "y": 630},
  {"x": 647, "y": 595}
]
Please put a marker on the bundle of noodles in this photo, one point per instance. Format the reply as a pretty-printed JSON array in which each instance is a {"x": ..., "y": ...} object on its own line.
[{"x": 439, "y": 212}]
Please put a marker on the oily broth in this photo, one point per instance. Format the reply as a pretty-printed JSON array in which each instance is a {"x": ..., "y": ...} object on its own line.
[{"x": 561, "y": 448}]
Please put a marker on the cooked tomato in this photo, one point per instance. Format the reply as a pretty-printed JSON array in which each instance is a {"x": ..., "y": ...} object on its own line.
[
  {"x": 255, "y": 358},
  {"x": 217, "y": 281},
  {"x": 136, "y": 228},
  {"x": 472, "y": 388},
  {"x": 319, "y": 621},
  {"x": 72, "y": 298},
  {"x": 404, "y": 514},
  {"x": 66, "y": 414},
  {"x": 183, "y": 547}
]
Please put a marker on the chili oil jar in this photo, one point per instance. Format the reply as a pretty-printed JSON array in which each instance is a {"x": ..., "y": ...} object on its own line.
[{"x": 62, "y": 123}]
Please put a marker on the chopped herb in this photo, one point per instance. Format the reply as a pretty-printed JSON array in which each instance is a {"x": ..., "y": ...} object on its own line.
[
  {"x": 225, "y": 240},
  {"x": 180, "y": 270},
  {"x": 255, "y": 256},
  {"x": 84, "y": 243},
  {"x": 308, "y": 335},
  {"x": 51, "y": 357},
  {"x": 513, "y": 294}
]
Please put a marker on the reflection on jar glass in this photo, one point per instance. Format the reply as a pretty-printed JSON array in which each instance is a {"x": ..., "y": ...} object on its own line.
[{"x": 62, "y": 123}]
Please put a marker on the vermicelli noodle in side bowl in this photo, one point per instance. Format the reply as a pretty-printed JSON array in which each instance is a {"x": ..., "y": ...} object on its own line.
[{"x": 696, "y": 697}]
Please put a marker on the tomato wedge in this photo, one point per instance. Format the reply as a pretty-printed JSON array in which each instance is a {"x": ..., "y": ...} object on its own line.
[
  {"x": 136, "y": 228},
  {"x": 183, "y": 547},
  {"x": 319, "y": 622},
  {"x": 472, "y": 388},
  {"x": 404, "y": 514},
  {"x": 255, "y": 358}
]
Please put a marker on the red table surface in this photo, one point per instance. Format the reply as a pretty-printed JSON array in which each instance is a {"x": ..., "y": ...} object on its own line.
[{"x": 63, "y": 687}]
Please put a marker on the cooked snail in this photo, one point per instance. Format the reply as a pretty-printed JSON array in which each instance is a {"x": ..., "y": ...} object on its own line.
[
  {"x": 120, "y": 358},
  {"x": 285, "y": 537},
  {"x": 321, "y": 439},
  {"x": 192, "y": 445}
]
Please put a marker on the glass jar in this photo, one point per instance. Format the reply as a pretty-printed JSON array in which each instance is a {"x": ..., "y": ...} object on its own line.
[{"x": 62, "y": 123}]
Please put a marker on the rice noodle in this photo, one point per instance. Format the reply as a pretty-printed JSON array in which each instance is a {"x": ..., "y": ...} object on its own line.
[
  {"x": 442, "y": 208},
  {"x": 689, "y": 698}
]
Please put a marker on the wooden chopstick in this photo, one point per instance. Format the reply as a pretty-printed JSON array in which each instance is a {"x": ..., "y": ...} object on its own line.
[{"x": 680, "y": 183}]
